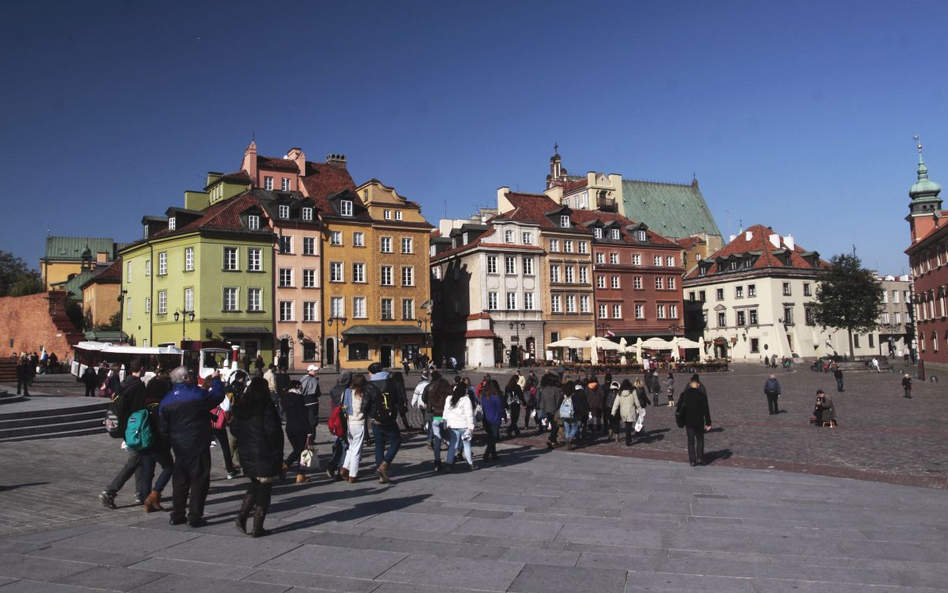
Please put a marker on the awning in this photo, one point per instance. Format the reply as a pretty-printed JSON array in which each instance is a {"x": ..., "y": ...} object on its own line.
[
  {"x": 234, "y": 330},
  {"x": 384, "y": 330}
]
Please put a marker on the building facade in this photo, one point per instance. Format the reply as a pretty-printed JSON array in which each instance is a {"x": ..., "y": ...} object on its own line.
[
  {"x": 895, "y": 322},
  {"x": 67, "y": 257},
  {"x": 102, "y": 295},
  {"x": 752, "y": 300}
]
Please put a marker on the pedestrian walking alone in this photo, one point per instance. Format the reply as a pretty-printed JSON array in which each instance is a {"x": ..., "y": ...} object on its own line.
[
  {"x": 907, "y": 385},
  {"x": 772, "y": 391},
  {"x": 696, "y": 418},
  {"x": 260, "y": 443},
  {"x": 513, "y": 394},
  {"x": 838, "y": 375}
]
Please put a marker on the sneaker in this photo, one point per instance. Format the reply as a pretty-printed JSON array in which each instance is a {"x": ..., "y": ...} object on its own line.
[
  {"x": 107, "y": 500},
  {"x": 330, "y": 472},
  {"x": 138, "y": 499},
  {"x": 233, "y": 474}
]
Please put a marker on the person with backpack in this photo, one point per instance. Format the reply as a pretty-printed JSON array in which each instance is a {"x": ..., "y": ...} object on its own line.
[
  {"x": 513, "y": 396},
  {"x": 159, "y": 453},
  {"x": 129, "y": 398},
  {"x": 694, "y": 415},
  {"x": 384, "y": 407},
  {"x": 493, "y": 405},
  {"x": 569, "y": 410},
  {"x": 340, "y": 442},
  {"x": 309, "y": 387},
  {"x": 626, "y": 408},
  {"x": 299, "y": 430},
  {"x": 439, "y": 390},
  {"x": 459, "y": 419},
  {"x": 23, "y": 375},
  {"x": 260, "y": 442},
  {"x": 398, "y": 383},
  {"x": 547, "y": 406},
  {"x": 184, "y": 421}
]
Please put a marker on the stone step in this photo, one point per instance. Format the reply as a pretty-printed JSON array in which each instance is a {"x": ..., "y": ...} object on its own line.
[
  {"x": 93, "y": 404},
  {"x": 8, "y": 398},
  {"x": 55, "y": 435},
  {"x": 49, "y": 430},
  {"x": 83, "y": 414}
]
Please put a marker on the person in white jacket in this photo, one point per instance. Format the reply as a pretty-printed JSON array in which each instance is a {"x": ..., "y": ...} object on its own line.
[
  {"x": 459, "y": 418},
  {"x": 418, "y": 403}
]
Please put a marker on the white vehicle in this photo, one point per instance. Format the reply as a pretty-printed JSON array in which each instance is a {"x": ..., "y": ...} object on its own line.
[{"x": 203, "y": 358}]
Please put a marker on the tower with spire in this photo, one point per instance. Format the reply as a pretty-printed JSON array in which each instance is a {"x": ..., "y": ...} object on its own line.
[{"x": 925, "y": 208}]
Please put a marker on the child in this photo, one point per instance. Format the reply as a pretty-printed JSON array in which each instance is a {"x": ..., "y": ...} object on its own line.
[{"x": 671, "y": 390}]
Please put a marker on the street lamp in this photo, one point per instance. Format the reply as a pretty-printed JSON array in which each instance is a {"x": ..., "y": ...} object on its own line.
[
  {"x": 423, "y": 324},
  {"x": 185, "y": 317},
  {"x": 518, "y": 326},
  {"x": 341, "y": 320}
]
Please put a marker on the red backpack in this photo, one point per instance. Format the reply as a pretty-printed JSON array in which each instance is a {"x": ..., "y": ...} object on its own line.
[{"x": 336, "y": 425}]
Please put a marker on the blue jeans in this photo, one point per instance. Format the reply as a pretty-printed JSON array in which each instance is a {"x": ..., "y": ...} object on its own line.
[
  {"x": 149, "y": 460},
  {"x": 455, "y": 437},
  {"x": 571, "y": 428},
  {"x": 493, "y": 435},
  {"x": 386, "y": 433},
  {"x": 437, "y": 428}
]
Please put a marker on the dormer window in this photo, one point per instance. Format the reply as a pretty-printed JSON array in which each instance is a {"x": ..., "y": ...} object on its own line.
[
  {"x": 387, "y": 214},
  {"x": 285, "y": 184},
  {"x": 641, "y": 236},
  {"x": 345, "y": 207},
  {"x": 508, "y": 236},
  {"x": 702, "y": 271},
  {"x": 171, "y": 223},
  {"x": 564, "y": 221},
  {"x": 284, "y": 211},
  {"x": 253, "y": 222},
  {"x": 268, "y": 183},
  {"x": 615, "y": 234},
  {"x": 527, "y": 238},
  {"x": 398, "y": 215},
  {"x": 307, "y": 214},
  {"x": 597, "y": 232}
]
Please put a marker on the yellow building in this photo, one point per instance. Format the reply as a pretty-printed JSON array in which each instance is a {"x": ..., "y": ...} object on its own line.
[
  {"x": 65, "y": 257},
  {"x": 100, "y": 295},
  {"x": 375, "y": 273}
]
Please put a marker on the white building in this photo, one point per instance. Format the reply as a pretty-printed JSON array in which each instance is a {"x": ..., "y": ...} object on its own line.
[{"x": 752, "y": 299}]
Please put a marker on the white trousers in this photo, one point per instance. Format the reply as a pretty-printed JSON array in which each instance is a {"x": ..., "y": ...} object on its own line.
[{"x": 354, "y": 454}]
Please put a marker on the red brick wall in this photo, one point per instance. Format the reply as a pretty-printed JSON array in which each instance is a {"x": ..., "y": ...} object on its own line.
[{"x": 30, "y": 322}]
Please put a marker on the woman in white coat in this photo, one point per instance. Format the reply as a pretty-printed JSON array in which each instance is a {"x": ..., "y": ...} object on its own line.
[
  {"x": 459, "y": 418},
  {"x": 628, "y": 407}
]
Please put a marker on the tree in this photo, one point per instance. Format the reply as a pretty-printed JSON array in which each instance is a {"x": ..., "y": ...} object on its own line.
[
  {"x": 848, "y": 297},
  {"x": 12, "y": 270},
  {"x": 29, "y": 283},
  {"x": 114, "y": 324}
]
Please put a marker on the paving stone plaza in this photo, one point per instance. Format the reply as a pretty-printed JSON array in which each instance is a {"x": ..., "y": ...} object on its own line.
[{"x": 782, "y": 506}]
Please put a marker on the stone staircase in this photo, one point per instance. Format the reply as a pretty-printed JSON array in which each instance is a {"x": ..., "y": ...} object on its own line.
[{"x": 71, "y": 418}]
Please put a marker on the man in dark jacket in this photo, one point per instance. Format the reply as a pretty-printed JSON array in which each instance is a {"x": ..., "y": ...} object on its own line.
[
  {"x": 772, "y": 391},
  {"x": 128, "y": 399},
  {"x": 339, "y": 444},
  {"x": 23, "y": 375},
  {"x": 385, "y": 403},
  {"x": 838, "y": 375},
  {"x": 693, "y": 404},
  {"x": 186, "y": 422}
]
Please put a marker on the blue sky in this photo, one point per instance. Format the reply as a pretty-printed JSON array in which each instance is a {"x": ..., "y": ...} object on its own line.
[{"x": 798, "y": 115}]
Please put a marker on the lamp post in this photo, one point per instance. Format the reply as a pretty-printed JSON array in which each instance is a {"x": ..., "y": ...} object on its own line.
[
  {"x": 185, "y": 316},
  {"x": 423, "y": 324},
  {"x": 518, "y": 326},
  {"x": 339, "y": 320}
]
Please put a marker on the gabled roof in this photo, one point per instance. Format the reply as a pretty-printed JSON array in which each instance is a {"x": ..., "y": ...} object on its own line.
[
  {"x": 688, "y": 242},
  {"x": 271, "y": 163},
  {"x": 530, "y": 208},
  {"x": 236, "y": 177},
  {"x": 322, "y": 180},
  {"x": 610, "y": 219},
  {"x": 764, "y": 253},
  {"x": 73, "y": 286},
  {"x": 110, "y": 274},
  {"x": 672, "y": 209},
  {"x": 71, "y": 248}
]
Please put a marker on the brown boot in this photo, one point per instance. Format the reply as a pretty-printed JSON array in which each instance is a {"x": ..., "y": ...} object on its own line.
[
  {"x": 152, "y": 502},
  {"x": 344, "y": 473},
  {"x": 259, "y": 514},
  {"x": 352, "y": 479},
  {"x": 382, "y": 472},
  {"x": 301, "y": 479}
]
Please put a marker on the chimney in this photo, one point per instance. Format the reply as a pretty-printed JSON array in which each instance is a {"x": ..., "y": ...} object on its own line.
[
  {"x": 249, "y": 164},
  {"x": 775, "y": 240},
  {"x": 296, "y": 155},
  {"x": 788, "y": 241},
  {"x": 748, "y": 235},
  {"x": 503, "y": 204},
  {"x": 336, "y": 160}
]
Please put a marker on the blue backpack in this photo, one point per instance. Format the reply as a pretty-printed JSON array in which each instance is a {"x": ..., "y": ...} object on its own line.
[
  {"x": 138, "y": 433},
  {"x": 566, "y": 408}
]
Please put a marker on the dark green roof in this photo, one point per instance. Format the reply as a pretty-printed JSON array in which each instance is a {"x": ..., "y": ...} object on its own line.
[
  {"x": 674, "y": 210},
  {"x": 74, "y": 286},
  {"x": 375, "y": 330},
  {"x": 106, "y": 336},
  {"x": 71, "y": 248}
]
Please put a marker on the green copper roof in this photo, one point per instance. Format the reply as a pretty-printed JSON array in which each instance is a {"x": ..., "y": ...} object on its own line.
[
  {"x": 74, "y": 286},
  {"x": 71, "y": 248},
  {"x": 924, "y": 187},
  {"x": 674, "y": 210}
]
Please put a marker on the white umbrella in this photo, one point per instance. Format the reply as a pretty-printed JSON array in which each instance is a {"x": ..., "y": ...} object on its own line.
[
  {"x": 657, "y": 344},
  {"x": 603, "y": 344},
  {"x": 568, "y": 343}
]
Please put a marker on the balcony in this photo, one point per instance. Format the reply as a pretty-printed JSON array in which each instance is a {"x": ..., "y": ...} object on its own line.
[{"x": 607, "y": 204}]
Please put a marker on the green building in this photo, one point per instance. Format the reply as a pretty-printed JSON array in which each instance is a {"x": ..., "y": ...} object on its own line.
[{"x": 212, "y": 260}]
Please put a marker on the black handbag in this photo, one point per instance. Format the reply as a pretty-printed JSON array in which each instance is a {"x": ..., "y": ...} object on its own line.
[{"x": 680, "y": 413}]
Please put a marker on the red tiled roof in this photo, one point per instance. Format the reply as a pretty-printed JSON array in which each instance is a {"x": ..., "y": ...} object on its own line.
[
  {"x": 110, "y": 274},
  {"x": 236, "y": 177},
  {"x": 277, "y": 164},
  {"x": 687, "y": 242},
  {"x": 323, "y": 180},
  {"x": 759, "y": 242},
  {"x": 480, "y": 333},
  {"x": 224, "y": 215},
  {"x": 530, "y": 207},
  {"x": 435, "y": 233},
  {"x": 481, "y": 315},
  {"x": 574, "y": 185},
  {"x": 582, "y": 216}
]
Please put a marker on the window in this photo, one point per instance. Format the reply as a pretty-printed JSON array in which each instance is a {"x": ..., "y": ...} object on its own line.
[
  {"x": 806, "y": 289},
  {"x": 738, "y": 292},
  {"x": 741, "y": 318},
  {"x": 307, "y": 214},
  {"x": 162, "y": 302},
  {"x": 528, "y": 301},
  {"x": 171, "y": 223},
  {"x": 751, "y": 290},
  {"x": 188, "y": 299},
  {"x": 358, "y": 351},
  {"x": 255, "y": 299},
  {"x": 722, "y": 319},
  {"x": 268, "y": 183},
  {"x": 508, "y": 236},
  {"x": 254, "y": 259},
  {"x": 285, "y": 184},
  {"x": 753, "y": 316},
  {"x": 636, "y": 259},
  {"x": 309, "y": 246},
  {"x": 335, "y": 238},
  {"x": 637, "y": 283},
  {"x": 856, "y": 340},
  {"x": 492, "y": 301},
  {"x": 570, "y": 279},
  {"x": 286, "y": 244},
  {"x": 358, "y": 272},
  {"x": 885, "y": 319},
  {"x": 527, "y": 238},
  {"x": 616, "y": 234},
  {"x": 657, "y": 260},
  {"x": 147, "y": 305},
  {"x": 556, "y": 305},
  {"x": 640, "y": 311},
  {"x": 755, "y": 345},
  {"x": 148, "y": 261},
  {"x": 128, "y": 272},
  {"x": 230, "y": 299},
  {"x": 597, "y": 233},
  {"x": 670, "y": 260},
  {"x": 358, "y": 239},
  {"x": 568, "y": 246},
  {"x": 602, "y": 311},
  {"x": 898, "y": 319},
  {"x": 615, "y": 282},
  {"x": 788, "y": 315},
  {"x": 583, "y": 275},
  {"x": 345, "y": 207},
  {"x": 309, "y": 278},
  {"x": 701, "y": 296},
  {"x": 337, "y": 307},
  {"x": 613, "y": 258},
  {"x": 309, "y": 311},
  {"x": 600, "y": 281},
  {"x": 163, "y": 263},
  {"x": 408, "y": 276},
  {"x": 571, "y": 304},
  {"x": 808, "y": 316},
  {"x": 386, "y": 245},
  {"x": 408, "y": 309},
  {"x": 554, "y": 273},
  {"x": 671, "y": 283},
  {"x": 511, "y": 301},
  {"x": 528, "y": 266},
  {"x": 510, "y": 265},
  {"x": 358, "y": 307},
  {"x": 934, "y": 341},
  {"x": 584, "y": 304},
  {"x": 284, "y": 211},
  {"x": 406, "y": 245},
  {"x": 659, "y": 283},
  {"x": 564, "y": 221},
  {"x": 286, "y": 310},
  {"x": 398, "y": 215},
  {"x": 554, "y": 336},
  {"x": 600, "y": 258},
  {"x": 336, "y": 273},
  {"x": 895, "y": 297},
  {"x": 386, "y": 278},
  {"x": 673, "y": 311},
  {"x": 641, "y": 236},
  {"x": 719, "y": 293},
  {"x": 661, "y": 311},
  {"x": 387, "y": 214},
  {"x": 231, "y": 259},
  {"x": 286, "y": 277},
  {"x": 128, "y": 307},
  {"x": 584, "y": 247},
  {"x": 786, "y": 289},
  {"x": 554, "y": 245}
]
